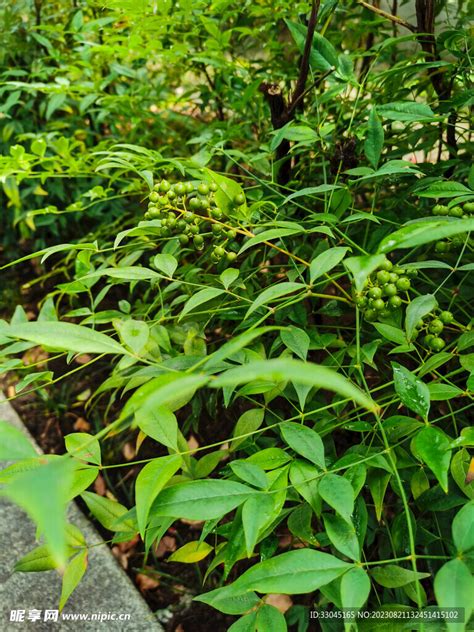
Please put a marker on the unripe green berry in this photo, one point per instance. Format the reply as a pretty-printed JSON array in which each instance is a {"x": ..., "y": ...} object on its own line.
[
  {"x": 436, "y": 326},
  {"x": 360, "y": 301},
  {"x": 394, "y": 302},
  {"x": 393, "y": 277},
  {"x": 437, "y": 344},
  {"x": 165, "y": 186},
  {"x": 216, "y": 229},
  {"x": 194, "y": 229},
  {"x": 231, "y": 256},
  {"x": 371, "y": 314},
  {"x": 163, "y": 200},
  {"x": 213, "y": 186},
  {"x": 231, "y": 234},
  {"x": 456, "y": 211},
  {"x": 442, "y": 246},
  {"x": 188, "y": 217},
  {"x": 375, "y": 292},
  {"x": 219, "y": 250},
  {"x": 198, "y": 241},
  {"x": 188, "y": 187},
  {"x": 390, "y": 289},
  {"x": 183, "y": 240},
  {"x": 239, "y": 199},
  {"x": 203, "y": 188},
  {"x": 469, "y": 207},
  {"x": 154, "y": 196},
  {"x": 181, "y": 224},
  {"x": 386, "y": 265},
  {"x": 403, "y": 284},
  {"x": 378, "y": 304},
  {"x": 383, "y": 276},
  {"x": 446, "y": 317},
  {"x": 442, "y": 210},
  {"x": 216, "y": 213},
  {"x": 194, "y": 203},
  {"x": 204, "y": 204},
  {"x": 179, "y": 188},
  {"x": 427, "y": 339}
]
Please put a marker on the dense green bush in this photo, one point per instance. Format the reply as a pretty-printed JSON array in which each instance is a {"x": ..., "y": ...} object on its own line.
[{"x": 260, "y": 219}]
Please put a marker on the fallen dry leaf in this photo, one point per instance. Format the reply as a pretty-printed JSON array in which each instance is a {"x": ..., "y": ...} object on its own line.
[
  {"x": 128, "y": 451},
  {"x": 193, "y": 443},
  {"x": 83, "y": 358},
  {"x": 100, "y": 486},
  {"x": 167, "y": 544},
  {"x": 81, "y": 425},
  {"x": 145, "y": 582}
]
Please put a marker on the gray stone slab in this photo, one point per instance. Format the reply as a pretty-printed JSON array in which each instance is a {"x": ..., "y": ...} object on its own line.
[{"x": 105, "y": 590}]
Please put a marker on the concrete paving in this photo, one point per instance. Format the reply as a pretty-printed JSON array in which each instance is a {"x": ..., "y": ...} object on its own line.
[{"x": 27, "y": 599}]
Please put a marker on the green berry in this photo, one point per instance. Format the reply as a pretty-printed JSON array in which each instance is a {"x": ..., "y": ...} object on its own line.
[
  {"x": 239, "y": 199},
  {"x": 386, "y": 265},
  {"x": 375, "y": 292},
  {"x": 403, "y": 284},
  {"x": 203, "y": 188},
  {"x": 195, "y": 204},
  {"x": 378, "y": 304},
  {"x": 383, "y": 276},
  {"x": 436, "y": 326},
  {"x": 179, "y": 188},
  {"x": 213, "y": 186},
  {"x": 394, "y": 302},
  {"x": 216, "y": 213},
  {"x": 390, "y": 289},
  {"x": 204, "y": 204},
  {"x": 412, "y": 272},
  {"x": 198, "y": 241},
  {"x": 154, "y": 196},
  {"x": 231, "y": 256},
  {"x": 456, "y": 211},
  {"x": 188, "y": 187},
  {"x": 193, "y": 229},
  {"x": 183, "y": 240},
  {"x": 437, "y": 209},
  {"x": 436, "y": 344},
  {"x": 231, "y": 234},
  {"x": 442, "y": 246},
  {"x": 181, "y": 224},
  {"x": 442, "y": 210},
  {"x": 188, "y": 217},
  {"x": 360, "y": 301},
  {"x": 427, "y": 339},
  {"x": 393, "y": 277},
  {"x": 469, "y": 207},
  {"x": 163, "y": 200},
  {"x": 219, "y": 251},
  {"x": 371, "y": 315},
  {"x": 165, "y": 186},
  {"x": 446, "y": 317},
  {"x": 216, "y": 229}
]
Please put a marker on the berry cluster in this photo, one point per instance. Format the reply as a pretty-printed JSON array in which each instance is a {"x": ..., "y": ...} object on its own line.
[
  {"x": 433, "y": 328},
  {"x": 463, "y": 212},
  {"x": 189, "y": 211},
  {"x": 381, "y": 294}
]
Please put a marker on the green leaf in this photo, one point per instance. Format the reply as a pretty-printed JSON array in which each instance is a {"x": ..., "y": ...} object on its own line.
[
  {"x": 201, "y": 297},
  {"x": 247, "y": 423},
  {"x": 325, "y": 262},
  {"x": 392, "y": 576},
  {"x": 391, "y": 333},
  {"x": 342, "y": 535},
  {"x": 159, "y": 423},
  {"x": 272, "y": 293},
  {"x": 124, "y": 273},
  {"x": 434, "y": 449},
  {"x": 338, "y": 493},
  {"x": 268, "y": 235},
  {"x": 463, "y": 533},
  {"x": 416, "y": 310},
  {"x": 43, "y": 492},
  {"x": 296, "y": 340},
  {"x": 150, "y": 481},
  {"x": 232, "y": 347},
  {"x": 362, "y": 267},
  {"x": 304, "y": 441},
  {"x": 444, "y": 190},
  {"x": 296, "y": 371},
  {"x": 257, "y": 512},
  {"x": 39, "y": 559},
  {"x": 250, "y": 473},
  {"x": 65, "y": 337},
  {"x": 377, "y": 481},
  {"x": 295, "y": 572},
  {"x": 228, "y": 277},
  {"x": 133, "y": 333},
  {"x": 222, "y": 600},
  {"x": 73, "y": 574},
  {"x": 191, "y": 552},
  {"x": 106, "y": 511},
  {"x": 421, "y": 232},
  {"x": 322, "y": 188},
  {"x": 245, "y": 624},
  {"x": 355, "y": 588},
  {"x": 454, "y": 587},
  {"x": 84, "y": 446},
  {"x": 413, "y": 393},
  {"x": 269, "y": 619},
  {"x": 374, "y": 140},
  {"x": 440, "y": 392},
  {"x": 460, "y": 467},
  {"x": 14, "y": 444},
  {"x": 200, "y": 500},
  {"x": 165, "y": 263},
  {"x": 409, "y": 111}
]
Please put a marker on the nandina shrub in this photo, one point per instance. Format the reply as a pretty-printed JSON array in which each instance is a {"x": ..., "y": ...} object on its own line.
[{"x": 311, "y": 329}]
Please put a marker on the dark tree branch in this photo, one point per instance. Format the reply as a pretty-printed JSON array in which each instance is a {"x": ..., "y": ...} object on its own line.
[
  {"x": 388, "y": 16},
  {"x": 304, "y": 66}
]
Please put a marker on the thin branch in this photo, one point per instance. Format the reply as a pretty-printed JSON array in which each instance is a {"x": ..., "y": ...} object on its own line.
[
  {"x": 304, "y": 67},
  {"x": 314, "y": 85},
  {"x": 388, "y": 16}
]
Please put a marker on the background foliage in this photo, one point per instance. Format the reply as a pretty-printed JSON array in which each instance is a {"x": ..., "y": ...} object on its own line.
[{"x": 287, "y": 342}]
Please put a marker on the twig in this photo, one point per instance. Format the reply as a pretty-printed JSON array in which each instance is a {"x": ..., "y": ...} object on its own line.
[
  {"x": 388, "y": 16},
  {"x": 304, "y": 66}
]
